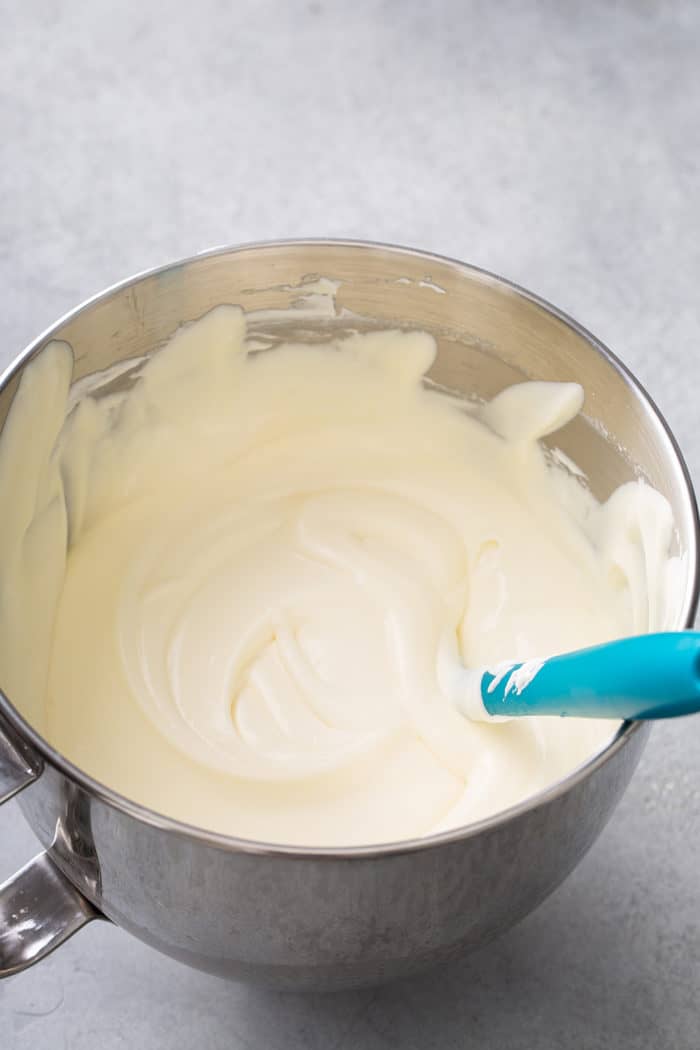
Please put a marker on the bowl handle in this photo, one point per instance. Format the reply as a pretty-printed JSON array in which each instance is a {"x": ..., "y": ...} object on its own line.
[{"x": 39, "y": 907}]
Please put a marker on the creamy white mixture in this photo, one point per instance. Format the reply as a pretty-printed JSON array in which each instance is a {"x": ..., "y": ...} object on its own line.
[{"x": 276, "y": 560}]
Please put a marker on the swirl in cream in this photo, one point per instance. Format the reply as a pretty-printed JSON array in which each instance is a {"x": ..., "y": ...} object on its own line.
[{"x": 276, "y": 557}]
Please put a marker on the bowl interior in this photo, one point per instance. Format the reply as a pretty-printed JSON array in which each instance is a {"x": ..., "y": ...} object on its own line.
[{"x": 490, "y": 334}]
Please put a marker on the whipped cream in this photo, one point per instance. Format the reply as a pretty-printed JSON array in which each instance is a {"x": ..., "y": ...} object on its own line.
[{"x": 252, "y": 578}]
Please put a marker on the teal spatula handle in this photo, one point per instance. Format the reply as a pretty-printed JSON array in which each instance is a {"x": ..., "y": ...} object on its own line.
[{"x": 649, "y": 676}]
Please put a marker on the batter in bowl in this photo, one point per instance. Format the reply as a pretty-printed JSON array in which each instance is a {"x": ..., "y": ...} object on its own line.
[{"x": 246, "y": 576}]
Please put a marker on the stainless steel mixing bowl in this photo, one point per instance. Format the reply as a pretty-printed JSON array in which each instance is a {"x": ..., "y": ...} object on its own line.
[{"x": 330, "y": 918}]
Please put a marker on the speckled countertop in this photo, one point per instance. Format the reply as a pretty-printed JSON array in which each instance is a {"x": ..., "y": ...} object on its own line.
[{"x": 554, "y": 142}]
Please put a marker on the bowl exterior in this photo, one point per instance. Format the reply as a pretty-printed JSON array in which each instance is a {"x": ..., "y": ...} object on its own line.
[{"x": 304, "y": 922}]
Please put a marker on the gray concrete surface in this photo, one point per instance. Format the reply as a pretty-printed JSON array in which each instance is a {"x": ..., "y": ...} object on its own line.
[{"x": 555, "y": 142}]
